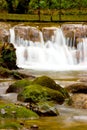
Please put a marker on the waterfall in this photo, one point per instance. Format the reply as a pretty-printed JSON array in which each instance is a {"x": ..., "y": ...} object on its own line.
[{"x": 52, "y": 54}]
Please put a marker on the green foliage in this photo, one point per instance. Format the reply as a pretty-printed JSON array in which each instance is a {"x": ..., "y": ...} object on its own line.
[{"x": 23, "y": 6}]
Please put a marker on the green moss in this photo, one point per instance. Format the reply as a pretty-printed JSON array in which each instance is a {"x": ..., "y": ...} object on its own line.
[
  {"x": 36, "y": 93},
  {"x": 18, "y": 86},
  {"x": 45, "y": 81},
  {"x": 15, "y": 111},
  {"x": 50, "y": 83},
  {"x": 10, "y": 125},
  {"x": 63, "y": 91},
  {"x": 5, "y": 72}
]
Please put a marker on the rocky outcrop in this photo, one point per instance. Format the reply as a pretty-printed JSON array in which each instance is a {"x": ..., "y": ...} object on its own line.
[
  {"x": 4, "y": 32},
  {"x": 78, "y": 94},
  {"x": 75, "y": 32},
  {"x": 80, "y": 87},
  {"x": 27, "y": 33},
  {"x": 8, "y": 56},
  {"x": 49, "y": 33}
]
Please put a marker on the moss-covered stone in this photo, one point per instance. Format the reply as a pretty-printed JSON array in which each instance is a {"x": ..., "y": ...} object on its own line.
[
  {"x": 50, "y": 83},
  {"x": 35, "y": 93},
  {"x": 18, "y": 86},
  {"x": 8, "y": 110},
  {"x": 45, "y": 81},
  {"x": 63, "y": 91}
]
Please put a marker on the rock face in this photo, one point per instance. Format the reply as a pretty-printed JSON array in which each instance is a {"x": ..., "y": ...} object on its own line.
[
  {"x": 4, "y": 32},
  {"x": 27, "y": 33},
  {"x": 8, "y": 56},
  {"x": 75, "y": 32},
  {"x": 48, "y": 33}
]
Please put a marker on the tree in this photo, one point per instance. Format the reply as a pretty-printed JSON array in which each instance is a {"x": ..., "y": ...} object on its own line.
[
  {"x": 17, "y": 6},
  {"x": 22, "y": 7},
  {"x": 10, "y": 6}
]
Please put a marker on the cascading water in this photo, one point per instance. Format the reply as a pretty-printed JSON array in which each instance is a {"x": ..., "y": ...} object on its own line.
[{"x": 53, "y": 54}]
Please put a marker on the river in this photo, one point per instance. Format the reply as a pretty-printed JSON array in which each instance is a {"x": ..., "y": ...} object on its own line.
[{"x": 69, "y": 118}]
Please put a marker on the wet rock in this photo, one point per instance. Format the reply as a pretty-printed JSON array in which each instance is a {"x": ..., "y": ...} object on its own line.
[
  {"x": 50, "y": 83},
  {"x": 4, "y": 32},
  {"x": 79, "y": 101},
  {"x": 3, "y": 111},
  {"x": 27, "y": 33},
  {"x": 80, "y": 87},
  {"x": 49, "y": 33},
  {"x": 35, "y": 93},
  {"x": 46, "y": 109},
  {"x": 34, "y": 127},
  {"x": 18, "y": 86},
  {"x": 75, "y": 32}
]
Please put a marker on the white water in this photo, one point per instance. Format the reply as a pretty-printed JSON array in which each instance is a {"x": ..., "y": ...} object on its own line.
[{"x": 53, "y": 55}]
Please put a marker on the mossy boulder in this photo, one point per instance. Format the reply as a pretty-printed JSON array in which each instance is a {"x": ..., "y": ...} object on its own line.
[
  {"x": 45, "y": 81},
  {"x": 36, "y": 93},
  {"x": 50, "y": 83},
  {"x": 8, "y": 110},
  {"x": 7, "y": 73},
  {"x": 18, "y": 86}
]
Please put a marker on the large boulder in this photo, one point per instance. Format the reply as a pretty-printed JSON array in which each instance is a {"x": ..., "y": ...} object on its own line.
[
  {"x": 79, "y": 100},
  {"x": 78, "y": 94},
  {"x": 79, "y": 87},
  {"x": 50, "y": 83},
  {"x": 18, "y": 86},
  {"x": 35, "y": 93}
]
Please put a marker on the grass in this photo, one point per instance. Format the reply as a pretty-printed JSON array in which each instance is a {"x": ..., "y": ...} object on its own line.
[{"x": 47, "y": 16}]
